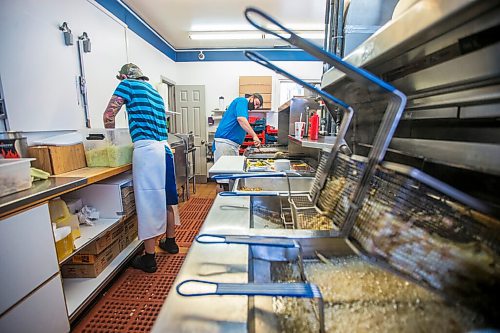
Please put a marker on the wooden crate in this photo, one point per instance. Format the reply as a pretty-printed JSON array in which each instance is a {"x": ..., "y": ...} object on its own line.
[{"x": 58, "y": 159}]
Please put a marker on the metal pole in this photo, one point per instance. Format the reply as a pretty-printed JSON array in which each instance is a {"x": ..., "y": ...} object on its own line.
[
  {"x": 83, "y": 84},
  {"x": 328, "y": 31},
  {"x": 339, "y": 36}
]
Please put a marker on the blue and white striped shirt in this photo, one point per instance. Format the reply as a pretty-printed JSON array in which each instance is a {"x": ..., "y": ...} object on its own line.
[{"x": 145, "y": 108}]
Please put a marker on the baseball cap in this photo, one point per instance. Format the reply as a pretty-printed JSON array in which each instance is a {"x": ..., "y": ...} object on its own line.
[{"x": 132, "y": 71}]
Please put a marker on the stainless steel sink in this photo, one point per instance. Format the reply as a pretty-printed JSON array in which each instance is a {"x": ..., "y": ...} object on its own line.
[{"x": 279, "y": 184}]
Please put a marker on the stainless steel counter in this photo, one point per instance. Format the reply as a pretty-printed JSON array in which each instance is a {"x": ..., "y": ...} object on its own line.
[
  {"x": 39, "y": 191},
  {"x": 212, "y": 262},
  {"x": 221, "y": 263}
]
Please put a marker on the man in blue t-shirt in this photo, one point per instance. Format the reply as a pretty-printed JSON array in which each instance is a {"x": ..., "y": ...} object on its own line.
[{"x": 234, "y": 126}]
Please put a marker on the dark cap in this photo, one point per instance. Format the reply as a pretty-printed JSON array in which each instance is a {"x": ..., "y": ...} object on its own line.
[
  {"x": 259, "y": 97},
  {"x": 131, "y": 71}
]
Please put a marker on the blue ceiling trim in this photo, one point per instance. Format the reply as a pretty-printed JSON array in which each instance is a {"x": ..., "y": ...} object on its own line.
[
  {"x": 146, "y": 32},
  {"x": 237, "y": 55},
  {"x": 138, "y": 27}
]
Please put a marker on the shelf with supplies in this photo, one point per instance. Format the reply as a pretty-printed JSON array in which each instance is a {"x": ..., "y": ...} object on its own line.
[
  {"x": 29, "y": 210},
  {"x": 81, "y": 291}
]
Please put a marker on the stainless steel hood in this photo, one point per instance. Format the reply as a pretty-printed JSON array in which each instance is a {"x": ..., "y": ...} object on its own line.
[{"x": 444, "y": 56}]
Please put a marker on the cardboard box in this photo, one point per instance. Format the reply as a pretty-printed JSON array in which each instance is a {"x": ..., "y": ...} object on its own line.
[
  {"x": 100, "y": 244},
  {"x": 92, "y": 270},
  {"x": 256, "y": 88},
  {"x": 58, "y": 159},
  {"x": 266, "y": 80}
]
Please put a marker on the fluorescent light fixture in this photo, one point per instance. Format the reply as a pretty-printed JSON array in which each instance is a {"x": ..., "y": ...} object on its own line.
[
  {"x": 306, "y": 35},
  {"x": 247, "y": 35},
  {"x": 312, "y": 35},
  {"x": 224, "y": 35}
]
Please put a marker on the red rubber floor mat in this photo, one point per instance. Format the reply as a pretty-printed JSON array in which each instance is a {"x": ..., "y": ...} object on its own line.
[
  {"x": 133, "y": 302},
  {"x": 121, "y": 316}
]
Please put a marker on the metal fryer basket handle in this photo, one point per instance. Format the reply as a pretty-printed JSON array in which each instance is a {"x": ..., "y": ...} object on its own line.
[
  {"x": 392, "y": 115},
  {"x": 299, "y": 290},
  {"x": 331, "y": 101},
  {"x": 289, "y": 36}
]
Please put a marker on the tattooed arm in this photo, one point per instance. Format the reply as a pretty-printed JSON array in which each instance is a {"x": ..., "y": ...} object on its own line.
[{"x": 114, "y": 105}]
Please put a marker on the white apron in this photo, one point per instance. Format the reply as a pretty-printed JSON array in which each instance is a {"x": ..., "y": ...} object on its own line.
[{"x": 149, "y": 176}]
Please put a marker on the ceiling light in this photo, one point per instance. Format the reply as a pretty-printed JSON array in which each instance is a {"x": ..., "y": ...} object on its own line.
[
  {"x": 247, "y": 35},
  {"x": 306, "y": 35},
  {"x": 224, "y": 35}
]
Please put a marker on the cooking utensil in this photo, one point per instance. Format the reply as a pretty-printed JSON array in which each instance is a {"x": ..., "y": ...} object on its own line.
[
  {"x": 331, "y": 102},
  {"x": 392, "y": 115},
  {"x": 299, "y": 290},
  {"x": 264, "y": 248}
]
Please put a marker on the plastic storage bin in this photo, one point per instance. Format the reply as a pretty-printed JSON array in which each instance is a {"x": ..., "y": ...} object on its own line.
[
  {"x": 107, "y": 147},
  {"x": 14, "y": 175}
]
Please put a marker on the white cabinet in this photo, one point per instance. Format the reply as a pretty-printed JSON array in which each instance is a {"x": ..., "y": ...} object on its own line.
[
  {"x": 27, "y": 255},
  {"x": 44, "y": 311}
]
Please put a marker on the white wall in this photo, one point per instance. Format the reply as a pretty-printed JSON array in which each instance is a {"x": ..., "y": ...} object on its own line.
[
  {"x": 39, "y": 72},
  {"x": 221, "y": 78}
]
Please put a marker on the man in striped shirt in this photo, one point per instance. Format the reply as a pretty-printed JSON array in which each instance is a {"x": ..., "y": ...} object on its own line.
[{"x": 153, "y": 169}]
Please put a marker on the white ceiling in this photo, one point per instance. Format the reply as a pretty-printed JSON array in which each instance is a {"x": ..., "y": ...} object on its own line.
[{"x": 174, "y": 19}]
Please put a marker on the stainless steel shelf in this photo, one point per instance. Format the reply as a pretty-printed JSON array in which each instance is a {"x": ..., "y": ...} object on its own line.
[
  {"x": 482, "y": 157},
  {"x": 323, "y": 142}
]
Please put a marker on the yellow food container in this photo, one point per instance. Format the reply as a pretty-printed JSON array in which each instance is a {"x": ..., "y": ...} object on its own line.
[
  {"x": 64, "y": 242},
  {"x": 58, "y": 210},
  {"x": 72, "y": 222}
]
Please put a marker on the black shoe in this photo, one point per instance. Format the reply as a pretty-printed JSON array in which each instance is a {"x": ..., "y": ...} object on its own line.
[
  {"x": 145, "y": 263},
  {"x": 169, "y": 245}
]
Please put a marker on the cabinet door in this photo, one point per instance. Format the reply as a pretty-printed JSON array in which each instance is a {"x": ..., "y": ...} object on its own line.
[
  {"x": 43, "y": 312},
  {"x": 27, "y": 254}
]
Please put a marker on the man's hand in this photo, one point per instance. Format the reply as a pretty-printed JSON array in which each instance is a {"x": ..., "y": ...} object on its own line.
[{"x": 256, "y": 141}]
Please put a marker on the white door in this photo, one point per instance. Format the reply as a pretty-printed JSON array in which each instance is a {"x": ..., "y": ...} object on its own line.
[{"x": 190, "y": 103}]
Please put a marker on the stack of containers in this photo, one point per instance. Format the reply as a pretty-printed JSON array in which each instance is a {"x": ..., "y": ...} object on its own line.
[
  {"x": 259, "y": 126},
  {"x": 271, "y": 134},
  {"x": 107, "y": 147}
]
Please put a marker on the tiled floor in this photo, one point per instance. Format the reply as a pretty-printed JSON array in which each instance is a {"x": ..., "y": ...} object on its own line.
[{"x": 133, "y": 301}]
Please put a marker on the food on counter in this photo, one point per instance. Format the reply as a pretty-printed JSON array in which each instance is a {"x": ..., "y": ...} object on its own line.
[
  {"x": 109, "y": 156},
  {"x": 260, "y": 165},
  {"x": 300, "y": 166},
  {"x": 251, "y": 189},
  {"x": 359, "y": 297},
  {"x": 120, "y": 155},
  {"x": 279, "y": 154},
  {"x": 97, "y": 157}
]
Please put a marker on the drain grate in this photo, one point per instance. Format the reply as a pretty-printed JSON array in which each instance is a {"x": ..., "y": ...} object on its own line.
[
  {"x": 121, "y": 316},
  {"x": 142, "y": 287}
]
